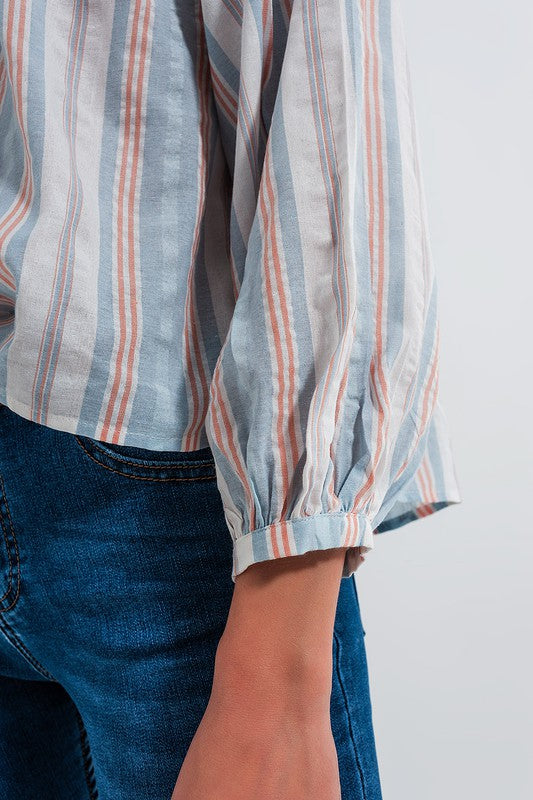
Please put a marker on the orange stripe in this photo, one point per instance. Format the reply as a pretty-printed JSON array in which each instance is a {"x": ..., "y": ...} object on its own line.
[
  {"x": 131, "y": 223},
  {"x": 421, "y": 511},
  {"x": 420, "y": 429},
  {"x": 14, "y": 218},
  {"x": 120, "y": 225},
  {"x": 381, "y": 218},
  {"x": 236, "y": 7},
  {"x": 292, "y": 398},
  {"x": 421, "y": 478},
  {"x": 430, "y": 488},
  {"x": 376, "y": 371},
  {"x": 219, "y": 406},
  {"x": 269, "y": 226},
  {"x": 268, "y": 238},
  {"x": 283, "y": 527},
  {"x": 224, "y": 98},
  {"x": 273, "y": 540},
  {"x": 427, "y": 409},
  {"x": 432, "y": 491},
  {"x": 18, "y": 88}
]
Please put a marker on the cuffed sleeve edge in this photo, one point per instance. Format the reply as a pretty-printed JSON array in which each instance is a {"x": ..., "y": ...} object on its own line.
[{"x": 293, "y": 537}]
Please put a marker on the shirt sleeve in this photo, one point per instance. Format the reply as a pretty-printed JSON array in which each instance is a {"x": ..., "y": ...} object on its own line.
[{"x": 305, "y": 406}]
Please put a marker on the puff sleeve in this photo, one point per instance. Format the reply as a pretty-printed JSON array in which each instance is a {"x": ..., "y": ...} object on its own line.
[{"x": 323, "y": 407}]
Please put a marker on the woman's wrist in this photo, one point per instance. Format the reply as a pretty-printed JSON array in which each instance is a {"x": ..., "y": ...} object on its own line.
[
  {"x": 278, "y": 636},
  {"x": 259, "y": 665}
]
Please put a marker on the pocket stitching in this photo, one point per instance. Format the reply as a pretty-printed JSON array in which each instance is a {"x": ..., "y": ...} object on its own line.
[
  {"x": 146, "y": 466},
  {"x": 9, "y": 559},
  {"x": 139, "y": 464},
  {"x": 19, "y": 645},
  {"x": 10, "y": 541}
]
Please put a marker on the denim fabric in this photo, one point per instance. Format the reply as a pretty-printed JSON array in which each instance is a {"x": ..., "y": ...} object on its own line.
[{"x": 115, "y": 585}]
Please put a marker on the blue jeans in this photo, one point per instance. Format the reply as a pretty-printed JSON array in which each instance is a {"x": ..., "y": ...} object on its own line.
[{"x": 115, "y": 586}]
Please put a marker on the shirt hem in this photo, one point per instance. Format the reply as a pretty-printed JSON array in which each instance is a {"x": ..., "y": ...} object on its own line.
[{"x": 131, "y": 437}]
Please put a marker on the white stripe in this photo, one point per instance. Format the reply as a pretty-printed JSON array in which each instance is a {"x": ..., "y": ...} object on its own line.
[{"x": 77, "y": 346}]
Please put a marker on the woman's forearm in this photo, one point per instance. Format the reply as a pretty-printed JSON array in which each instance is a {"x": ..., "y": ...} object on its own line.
[
  {"x": 278, "y": 636},
  {"x": 266, "y": 731}
]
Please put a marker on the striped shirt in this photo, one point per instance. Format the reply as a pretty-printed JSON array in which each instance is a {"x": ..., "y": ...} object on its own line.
[{"x": 213, "y": 233}]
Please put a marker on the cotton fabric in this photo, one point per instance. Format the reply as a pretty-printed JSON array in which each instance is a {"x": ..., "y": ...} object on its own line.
[{"x": 213, "y": 233}]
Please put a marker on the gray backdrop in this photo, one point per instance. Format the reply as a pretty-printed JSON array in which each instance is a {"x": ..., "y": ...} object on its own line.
[{"x": 446, "y": 600}]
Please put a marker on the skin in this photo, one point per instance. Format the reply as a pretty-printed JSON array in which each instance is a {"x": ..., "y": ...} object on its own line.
[{"x": 266, "y": 732}]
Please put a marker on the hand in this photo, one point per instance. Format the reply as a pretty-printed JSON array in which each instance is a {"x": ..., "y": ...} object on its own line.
[
  {"x": 266, "y": 732},
  {"x": 253, "y": 748}
]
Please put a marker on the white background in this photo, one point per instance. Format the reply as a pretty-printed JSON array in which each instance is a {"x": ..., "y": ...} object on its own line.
[{"x": 446, "y": 601}]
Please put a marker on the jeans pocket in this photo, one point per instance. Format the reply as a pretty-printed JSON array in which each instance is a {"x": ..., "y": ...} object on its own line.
[{"x": 149, "y": 465}]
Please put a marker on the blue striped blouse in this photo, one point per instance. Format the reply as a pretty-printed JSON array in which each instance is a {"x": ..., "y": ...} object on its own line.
[{"x": 213, "y": 233}]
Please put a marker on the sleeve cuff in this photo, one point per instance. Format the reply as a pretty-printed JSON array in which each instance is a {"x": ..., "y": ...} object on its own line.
[{"x": 294, "y": 537}]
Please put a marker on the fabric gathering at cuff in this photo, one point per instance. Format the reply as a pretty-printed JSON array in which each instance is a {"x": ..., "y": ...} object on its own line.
[{"x": 293, "y": 537}]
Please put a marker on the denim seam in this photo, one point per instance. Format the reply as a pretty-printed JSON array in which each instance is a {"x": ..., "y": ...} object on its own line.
[
  {"x": 9, "y": 557},
  {"x": 350, "y": 727},
  {"x": 8, "y": 549},
  {"x": 88, "y": 766},
  {"x": 155, "y": 463},
  {"x": 12, "y": 637},
  {"x": 145, "y": 477}
]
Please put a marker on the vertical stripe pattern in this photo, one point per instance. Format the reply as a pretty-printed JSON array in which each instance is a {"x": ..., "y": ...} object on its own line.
[
  {"x": 213, "y": 233},
  {"x": 17, "y": 16},
  {"x": 66, "y": 247},
  {"x": 325, "y": 424},
  {"x": 116, "y": 407}
]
